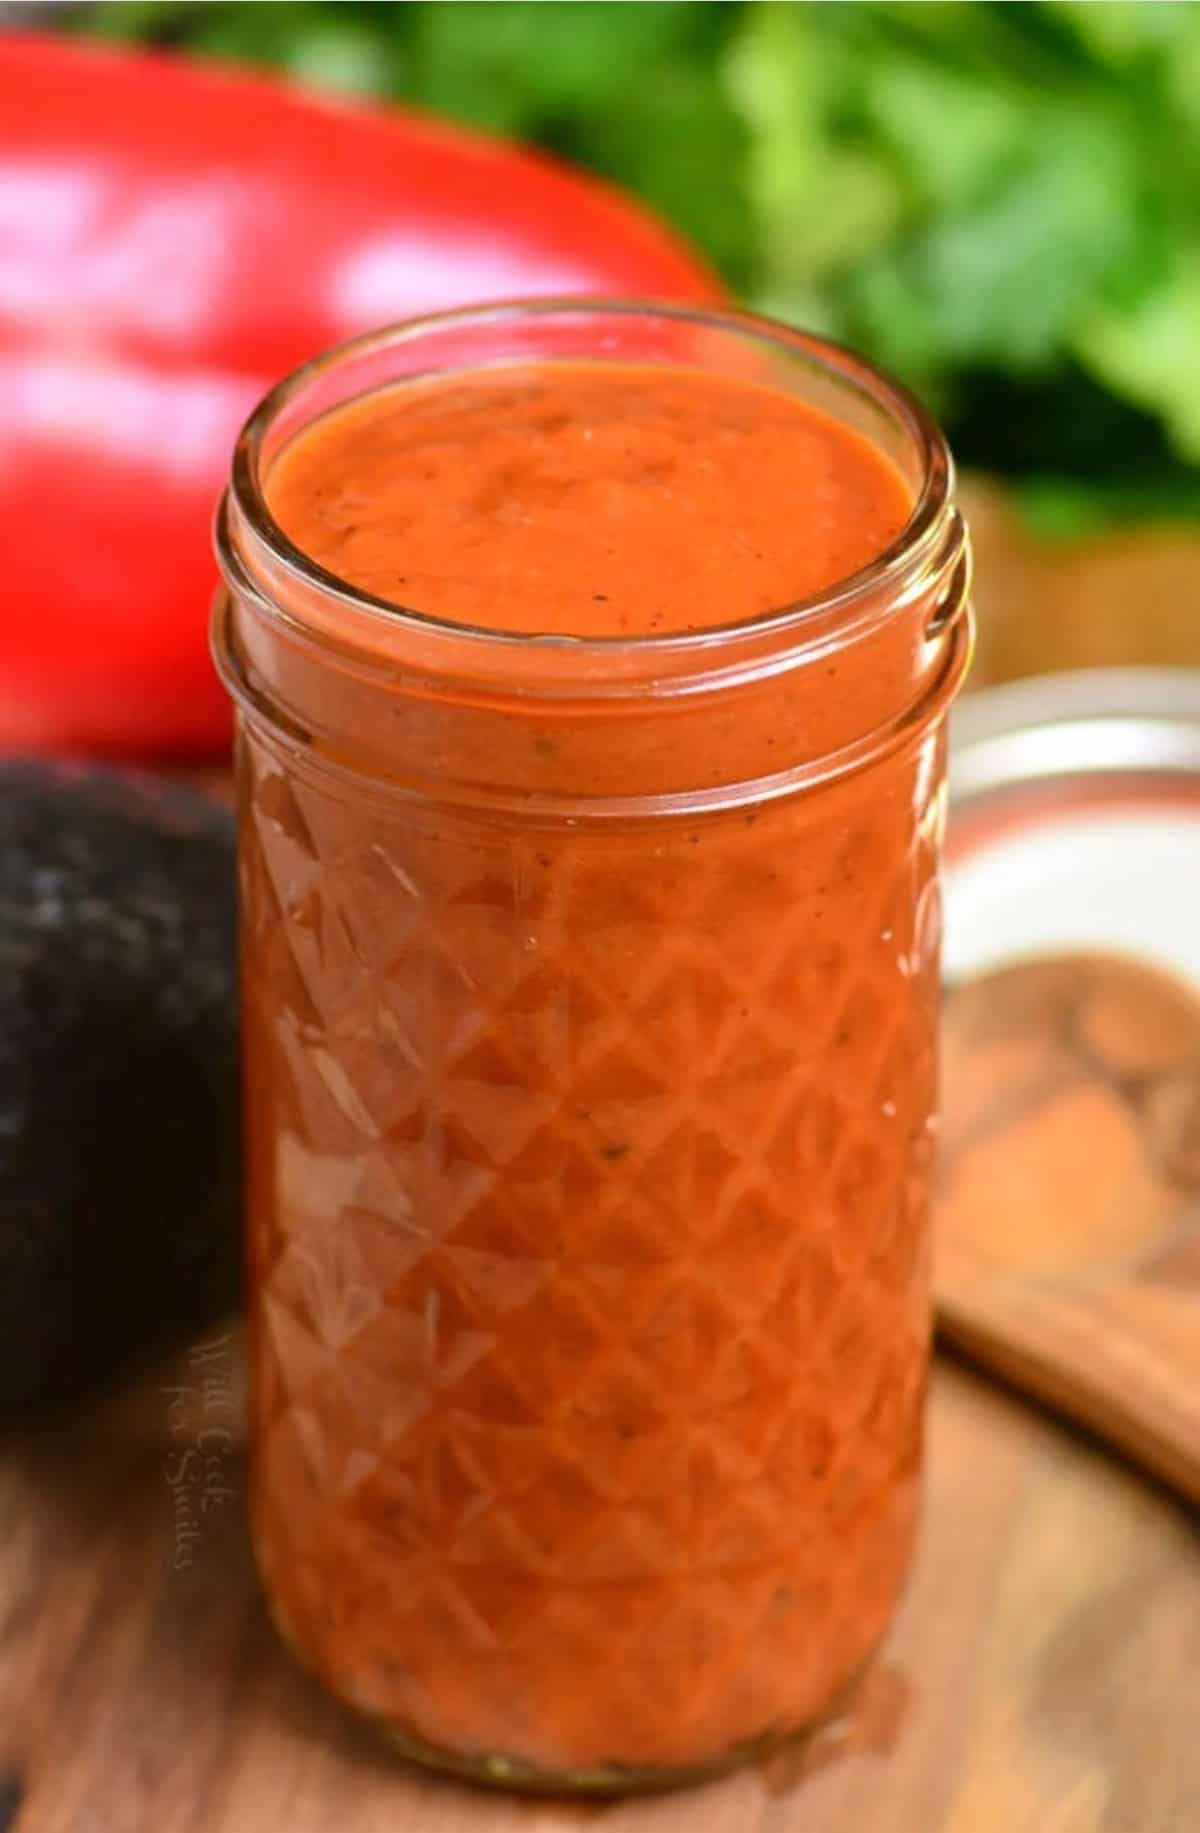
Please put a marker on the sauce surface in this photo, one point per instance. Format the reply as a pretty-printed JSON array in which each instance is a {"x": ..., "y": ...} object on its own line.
[
  {"x": 588, "y": 1159},
  {"x": 587, "y": 499}
]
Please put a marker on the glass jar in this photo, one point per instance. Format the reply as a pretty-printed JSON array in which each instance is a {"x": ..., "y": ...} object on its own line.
[{"x": 590, "y": 991}]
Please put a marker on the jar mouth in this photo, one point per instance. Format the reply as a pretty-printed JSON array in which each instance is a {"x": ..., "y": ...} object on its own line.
[{"x": 249, "y": 537}]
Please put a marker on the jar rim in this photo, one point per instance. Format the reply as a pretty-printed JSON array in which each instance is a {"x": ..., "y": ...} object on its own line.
[{"x": 909, "y": 553}]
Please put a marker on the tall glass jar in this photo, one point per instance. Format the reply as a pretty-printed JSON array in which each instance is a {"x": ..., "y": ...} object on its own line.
[{"x": 589, "y": 1031}]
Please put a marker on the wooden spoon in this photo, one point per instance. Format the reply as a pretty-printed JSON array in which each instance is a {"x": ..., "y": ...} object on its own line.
[{"x": 1068, "y": 1200}]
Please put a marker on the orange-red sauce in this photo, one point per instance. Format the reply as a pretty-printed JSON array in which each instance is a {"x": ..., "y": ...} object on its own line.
[
  {"x": 588, "y": 499},
  {"x": 588, "y": 1165}
]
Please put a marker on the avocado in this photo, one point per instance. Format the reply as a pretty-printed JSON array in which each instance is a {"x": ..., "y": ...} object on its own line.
[{"x": 119, "y": 1152}]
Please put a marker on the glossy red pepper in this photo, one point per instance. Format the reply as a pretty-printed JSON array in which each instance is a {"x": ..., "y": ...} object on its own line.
[{"x": 172, "y": 238}]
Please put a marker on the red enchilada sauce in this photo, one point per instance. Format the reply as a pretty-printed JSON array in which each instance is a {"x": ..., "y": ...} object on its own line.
[
  {"x": 588, "y": 499},
  {"x": 588, "y": 1163}
]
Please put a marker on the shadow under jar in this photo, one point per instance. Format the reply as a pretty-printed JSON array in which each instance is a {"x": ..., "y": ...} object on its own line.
[{"x": 590, "y": 985}]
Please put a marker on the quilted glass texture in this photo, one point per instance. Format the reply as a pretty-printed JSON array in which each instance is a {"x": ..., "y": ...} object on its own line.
[{"x": 588, "y": 1252}]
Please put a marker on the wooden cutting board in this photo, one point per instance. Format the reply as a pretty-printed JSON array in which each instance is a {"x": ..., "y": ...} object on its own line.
[{"x": 1042, "y": 1679}]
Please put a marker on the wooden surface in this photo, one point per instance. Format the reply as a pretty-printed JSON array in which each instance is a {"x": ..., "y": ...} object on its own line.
[
  {"x": 1068, "y": 1217},
  {"x": 1109, "y": 600},
  {"x": 1043, "y": 1678}
]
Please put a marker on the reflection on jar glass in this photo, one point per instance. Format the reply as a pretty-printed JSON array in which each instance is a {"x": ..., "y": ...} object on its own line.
[{"x": 590, "y": 976}]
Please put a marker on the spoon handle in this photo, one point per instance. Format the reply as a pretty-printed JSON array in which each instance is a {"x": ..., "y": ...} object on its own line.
[{"x": 1121, "y": 1357}]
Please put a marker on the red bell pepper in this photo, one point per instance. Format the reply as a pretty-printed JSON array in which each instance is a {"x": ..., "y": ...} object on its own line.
[{"x": 173, "y": 237}]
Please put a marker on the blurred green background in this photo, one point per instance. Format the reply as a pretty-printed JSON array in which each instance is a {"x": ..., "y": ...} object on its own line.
[{"x": 1000, "y": 202}]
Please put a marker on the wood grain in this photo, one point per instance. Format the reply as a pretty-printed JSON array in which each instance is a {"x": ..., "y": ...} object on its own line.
[
  {"x": 1068, "y": 1214},
  {"x": 1115, "y": 599},
  {"x": 1041, "y": 1679}
]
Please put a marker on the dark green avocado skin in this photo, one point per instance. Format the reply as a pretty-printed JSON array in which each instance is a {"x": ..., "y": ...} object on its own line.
[{"x": 119, "y": 1156}]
